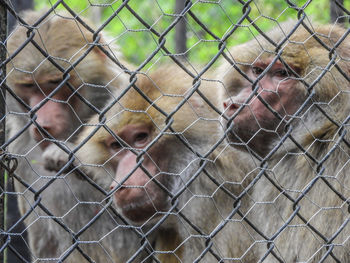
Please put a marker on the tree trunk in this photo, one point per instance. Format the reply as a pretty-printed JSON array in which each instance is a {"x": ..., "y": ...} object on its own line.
[
  {"x": 17, "y": 5},
  {"x": 336, "y": 11},
  {"x": 180, "y": 30}
]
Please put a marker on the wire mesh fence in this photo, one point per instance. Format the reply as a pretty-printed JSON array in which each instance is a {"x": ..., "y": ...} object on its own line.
[{"x": 232, "y": 147}]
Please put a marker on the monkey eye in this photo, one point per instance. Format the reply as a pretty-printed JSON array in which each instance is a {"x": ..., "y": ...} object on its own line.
[
  {"x": 115, "y": 146},
  {"x": 140, "y": 139},
  {"x": 282, "y": 73},
  {"x": 257, "y": 70},
  {"x": 27, "y": 85},
  {"x": 55, "y": 81}
]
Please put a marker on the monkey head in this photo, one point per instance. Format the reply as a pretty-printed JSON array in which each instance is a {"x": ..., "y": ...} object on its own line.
[
  {"x": 269, "y": 93},
  {"x": 150, "y": 144},
  {"x": 59, "y": 75}
]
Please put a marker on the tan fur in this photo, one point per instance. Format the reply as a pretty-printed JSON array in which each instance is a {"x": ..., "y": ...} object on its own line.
[{"x": 168, "y": 240}]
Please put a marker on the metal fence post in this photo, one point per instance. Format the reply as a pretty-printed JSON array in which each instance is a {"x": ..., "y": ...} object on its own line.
[{"x": 3, "y": 35}]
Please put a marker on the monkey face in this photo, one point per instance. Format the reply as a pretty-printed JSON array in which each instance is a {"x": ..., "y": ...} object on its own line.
[
  {"x": 257, "y": 112},
  {"x": 138, "y": 175},
  {"x": 54, "y": 108},
  {"x": 58, "y": 103}
]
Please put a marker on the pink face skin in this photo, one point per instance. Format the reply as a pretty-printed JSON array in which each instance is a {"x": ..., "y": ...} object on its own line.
[
  {"x": 55, "y": 116},
  {"x": 139, "y": 198},
  {"x": 255, "y": 123}
]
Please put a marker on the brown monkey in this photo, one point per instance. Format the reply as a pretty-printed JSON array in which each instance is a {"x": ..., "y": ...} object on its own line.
[
  {"x": 291, "y": 109},
  {"x": 50, "y": 87},
  {"x": 157, "y": 153}
]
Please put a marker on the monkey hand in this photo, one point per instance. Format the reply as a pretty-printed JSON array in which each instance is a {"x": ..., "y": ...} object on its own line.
[{"x": 55, "y": 158}]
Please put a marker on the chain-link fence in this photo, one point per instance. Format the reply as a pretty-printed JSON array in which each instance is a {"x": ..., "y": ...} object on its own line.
[{"x": 214, "y": 132}]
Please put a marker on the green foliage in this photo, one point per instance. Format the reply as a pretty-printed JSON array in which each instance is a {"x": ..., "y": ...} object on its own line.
[{"x": 220, "y": 18}]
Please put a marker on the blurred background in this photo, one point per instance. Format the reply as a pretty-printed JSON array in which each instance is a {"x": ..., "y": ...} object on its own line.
[{"x": 190, "y": 40}]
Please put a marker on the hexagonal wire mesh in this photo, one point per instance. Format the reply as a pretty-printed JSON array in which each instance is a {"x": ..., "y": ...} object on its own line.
[{"x": 227, "y": 150}]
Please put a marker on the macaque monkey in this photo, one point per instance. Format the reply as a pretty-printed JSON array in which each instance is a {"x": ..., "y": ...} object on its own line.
[
  {"x": 290, "y": 106},
  {"x": 59, "y": 88},
  {"x": 159, "y": 153}
]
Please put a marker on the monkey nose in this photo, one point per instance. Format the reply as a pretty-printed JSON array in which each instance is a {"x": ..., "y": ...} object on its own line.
[
  {"x": 230, "y": 108},
  {"x": 113, "y": 185},
  {"x": 44, "y": 144},
  {"x": 225, "y": 104}
]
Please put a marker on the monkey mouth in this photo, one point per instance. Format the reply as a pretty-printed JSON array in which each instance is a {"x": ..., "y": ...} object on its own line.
[
  {"x": 134, "y": 206},
  {"x": 44, "y": 144},
  {"x": 138, "y": 207},
  {"x": 232, "y": 134},
  {"x": 230, "y": 126},
  {"x": 233, "y": 138},
  {"x": 139, "y": 212}
]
